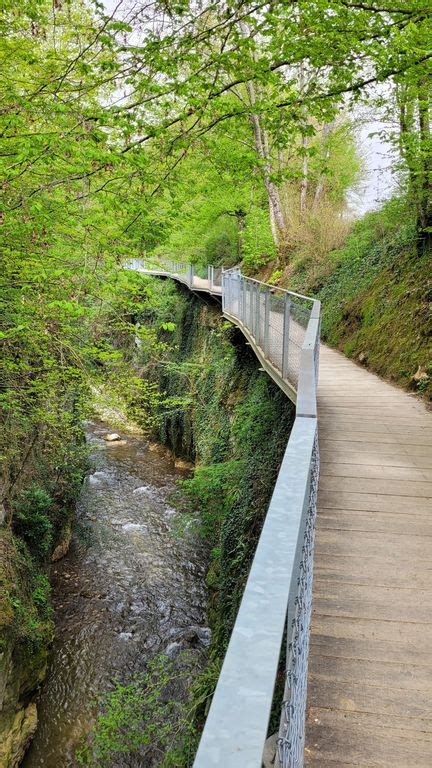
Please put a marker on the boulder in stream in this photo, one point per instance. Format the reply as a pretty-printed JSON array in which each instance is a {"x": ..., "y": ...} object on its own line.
[{"x": 112, "y": 437}]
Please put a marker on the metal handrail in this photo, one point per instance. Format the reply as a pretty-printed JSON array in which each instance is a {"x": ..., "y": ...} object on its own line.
[{"x": 278, "y": 593}]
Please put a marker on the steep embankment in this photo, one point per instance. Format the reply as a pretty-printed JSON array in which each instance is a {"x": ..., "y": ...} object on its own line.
[
  {"x": 234, "y": 423},
  {"x": 376, "y": 295},
  {"x": 36, "y": 529}
]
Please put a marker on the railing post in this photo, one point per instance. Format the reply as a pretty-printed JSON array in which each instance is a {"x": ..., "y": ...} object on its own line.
[
  {"x": 285, "y": 336},
  {"x": 210, "y": 276},
  {"x": 190, "y": 275},
  {"x": 257, "y": 312},
  {"x": 250, "y": 306},
  {"x": 243, "y": 304},
  {"x": 266, "y": 322}
]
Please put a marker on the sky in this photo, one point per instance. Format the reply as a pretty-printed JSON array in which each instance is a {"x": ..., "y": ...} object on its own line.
[{"x": 377, "y": 181}]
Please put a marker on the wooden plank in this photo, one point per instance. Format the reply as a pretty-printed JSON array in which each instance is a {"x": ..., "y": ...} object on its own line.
[
  {"x": 372, "y": 522},
  {"x": 379, "y": 471},
  {"x": 377, "y": 425},
  {"x": 407, "y": 549},
  {"x": 369, "y": 648},
  {"x": 350, "y": 697},
  {"x": 338, "y": 739},
  {"x": 415, "y": 439},
  {"x": 417, "y": 638},
  {"x": 376, "y": 448},
  {"x": 373, "y": 602},
  {"x": 372, "y": 501},
  {"x": 375, "y": 673},
  {"x": 380, "y": 458},
  {"x": 412, "y": 488}
]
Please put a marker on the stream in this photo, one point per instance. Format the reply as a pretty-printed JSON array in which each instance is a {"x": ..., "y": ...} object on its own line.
[{"x": 129, "y": 588}]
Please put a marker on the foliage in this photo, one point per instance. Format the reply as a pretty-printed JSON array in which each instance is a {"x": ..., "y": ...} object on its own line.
[
  {"x": 222, "y": 244},
  {"x": 235, "y": 424},
  {"x": 214, "y": 489},
  {"x": 144, "y": 717},
  {"x": 32, "y": 521},
  {"x": 26, "y": 617},
  {"x": 258, "y": 245},
  {"x": 213, "y": 136}
]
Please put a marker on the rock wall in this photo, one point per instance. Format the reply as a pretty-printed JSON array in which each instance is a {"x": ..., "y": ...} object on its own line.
[{"x": 234, "y": 423}]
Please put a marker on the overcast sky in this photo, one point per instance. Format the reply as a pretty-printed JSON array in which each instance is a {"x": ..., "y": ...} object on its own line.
[{"x": 377, "y": 182}]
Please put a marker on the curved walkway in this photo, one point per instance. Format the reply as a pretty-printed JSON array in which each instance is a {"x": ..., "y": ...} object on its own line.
[{"x": 370, "y": 664}]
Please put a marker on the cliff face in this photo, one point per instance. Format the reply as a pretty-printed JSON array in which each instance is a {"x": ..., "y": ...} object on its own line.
[
  {"x": 26, "y": 616},
  {"x": 20, "y": 671},
  {"x": 234, "y": 423}
]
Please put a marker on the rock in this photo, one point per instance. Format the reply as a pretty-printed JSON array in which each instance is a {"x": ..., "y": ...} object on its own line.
[
  {"x": 173, "y": 649},
  {"x": 362, "y": 358},
  {"x": 192, "y": 637},
  {"x": 420, "y": 375},
  {"x": 269, "y": 754},
  {"x": 19, "y": 737},
  {"x": 63, "y": 545},
  {"x": 111, "y": 437},
  {"x": 2, "y": 514}
]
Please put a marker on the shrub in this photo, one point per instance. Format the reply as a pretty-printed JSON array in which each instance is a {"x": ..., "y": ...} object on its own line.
[
  {"x": 31, "y": 520},
  {"x": 145, "y": 716},
  {"x": 258, "y": 244}
]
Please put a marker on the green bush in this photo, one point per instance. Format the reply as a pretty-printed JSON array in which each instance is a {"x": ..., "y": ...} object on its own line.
[
  {"x": 213, "y": 490},
  {"x": 258, "y": 244},
  {"x": 31, "y": 521},
  {"x": 221, "y": 246},
  {"x": 145, "y": 716},
  {"x": 41, "y": 595}
]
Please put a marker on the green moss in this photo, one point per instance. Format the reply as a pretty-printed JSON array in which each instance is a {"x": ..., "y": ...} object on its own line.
[
  {"x": 234, "y": 423},
  {"x": 31, "y": 519}
]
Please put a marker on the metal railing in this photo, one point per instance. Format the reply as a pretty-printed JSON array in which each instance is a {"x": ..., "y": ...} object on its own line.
[
  {"x": 191, "y": 275},
  {"x": 283, "y": 328},
  {"x": 276, "y": 320}
]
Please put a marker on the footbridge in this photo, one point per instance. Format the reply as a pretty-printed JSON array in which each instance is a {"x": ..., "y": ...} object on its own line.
[{"x": 356, "y": 637}]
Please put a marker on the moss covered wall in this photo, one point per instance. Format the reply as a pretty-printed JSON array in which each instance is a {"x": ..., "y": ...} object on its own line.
[
  {"x": 234, "y": 422},
  {"x": 35, "y": 531}
]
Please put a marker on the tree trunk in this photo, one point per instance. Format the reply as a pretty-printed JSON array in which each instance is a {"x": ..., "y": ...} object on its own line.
[
  {"x": 304, "y": 181},
  {"x": 425, "y": 171},
  {"x": 277, "y": 220},
  {"x": 326, "y": 132},
  {"x": 305, "y": 144}
]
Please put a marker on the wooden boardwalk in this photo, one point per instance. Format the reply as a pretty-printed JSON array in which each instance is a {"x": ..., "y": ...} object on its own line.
[{"x": 370, "y": 673}]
